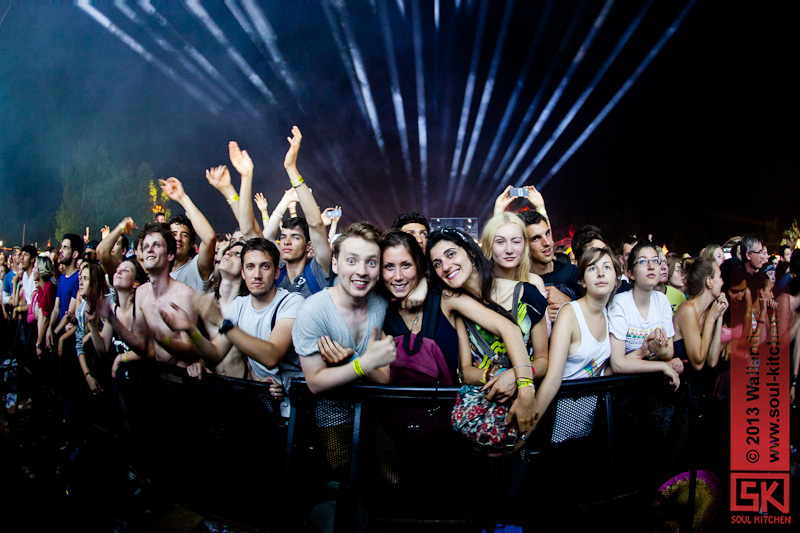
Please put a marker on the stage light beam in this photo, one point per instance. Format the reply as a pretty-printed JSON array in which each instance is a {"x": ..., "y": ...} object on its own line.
[
  {"x": 469, "y": 90},
  {"x": 486, "y": 97},
  {"x": 557, "y": 93},
  {"x": 194, "y": 7},
  {"x": 213, "y": 107},
  {"x": 589, "y": 89},
  {"x": 619, "y": 94}
]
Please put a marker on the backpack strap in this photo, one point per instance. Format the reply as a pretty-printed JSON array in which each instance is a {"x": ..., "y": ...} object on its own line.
[
  {"x": 311, "y": 279},
  {"x": 477, "y": 339},
  {"x": 308, "y": 274},
  {"x": 275, "y": 314}
]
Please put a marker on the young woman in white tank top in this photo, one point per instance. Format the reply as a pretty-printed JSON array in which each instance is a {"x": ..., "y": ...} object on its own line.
[{"x": 580, "y": 344}]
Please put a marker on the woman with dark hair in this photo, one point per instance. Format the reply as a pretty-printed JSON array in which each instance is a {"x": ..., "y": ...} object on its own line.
[
  {"x": 517, "y": 299},
  {"x": 127, "y": 278},
  {"x": 641, "y": 320},
  {"x": 91, "y": 288},
  {"x": 403, "y": 266},
  {"x": 698, "y": 321},
  {"x": 580, "y": 345},
  {"x": 463, "y": 274}
]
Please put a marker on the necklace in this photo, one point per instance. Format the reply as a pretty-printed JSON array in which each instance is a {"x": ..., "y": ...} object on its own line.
[{"x": 416, "y": 318}]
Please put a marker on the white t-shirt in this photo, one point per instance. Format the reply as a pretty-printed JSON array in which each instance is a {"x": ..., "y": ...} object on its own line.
[
  {"x": 28, "y": 286},
  {"x": 189, "y": 274},
  {"x": 258, "y": 323},
  {"x": 628, "y": 325}
]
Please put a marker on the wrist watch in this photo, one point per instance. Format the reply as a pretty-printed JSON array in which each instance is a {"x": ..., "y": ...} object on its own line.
[{"x": 226, "y": 326}]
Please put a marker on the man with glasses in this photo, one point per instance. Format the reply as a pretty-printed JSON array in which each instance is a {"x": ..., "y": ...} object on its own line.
[{"x": 754, "y": 253}]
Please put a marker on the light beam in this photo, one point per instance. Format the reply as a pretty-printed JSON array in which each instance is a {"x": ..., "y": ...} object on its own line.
[{"x": 619, "y": 94}]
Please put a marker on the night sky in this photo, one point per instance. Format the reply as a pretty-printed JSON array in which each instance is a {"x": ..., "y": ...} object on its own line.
[{"x": 701, "y": 146}]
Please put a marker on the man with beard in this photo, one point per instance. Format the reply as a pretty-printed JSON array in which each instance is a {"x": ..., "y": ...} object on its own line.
[
  {"x": 67, "y": 289},
  {"x": 348, "y": 316},
  {"x": 259, "y": 325},
  {"x": 150, "y": 335}
]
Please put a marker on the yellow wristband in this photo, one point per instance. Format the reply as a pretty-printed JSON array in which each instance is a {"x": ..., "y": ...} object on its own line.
[
  {"x": 296, "y": 182},
  {"x": 194, "y": 336},
  {"x": 357, "y": 368},
  {"x": 125, "y": 357},
  {"x": 521, "y": 384},
  {"x": 233, "y": 199},
  {"x": 165, "y": 342}
]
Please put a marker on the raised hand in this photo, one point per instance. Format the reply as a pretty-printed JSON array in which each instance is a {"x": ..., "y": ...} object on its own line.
[
  {"x": 290, "y": 160},
  {"x": 173, "y": 188},
  {"x": 290, "y": 196},
  {"x": 128, "y": 226},
  {"x": 535, "y": 197},
  {"x": 219, "y": 177},
  {"x": 104, "y": 231},
  {"x": 261, "y": 202},
  {"x": 503, "y": 201},
  {"x": 332, "y": 352},
  {"x": 240, "y": 159},
  {"x": 86, "y": 237},
  {"x": 327, "y": 219}
]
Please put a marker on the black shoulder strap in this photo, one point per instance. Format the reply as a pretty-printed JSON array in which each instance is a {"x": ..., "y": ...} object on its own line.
[{"x": 275, "y": 314}]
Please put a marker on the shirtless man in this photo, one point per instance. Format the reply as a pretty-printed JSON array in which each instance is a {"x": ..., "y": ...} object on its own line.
[{"x": 150, "y": 336}]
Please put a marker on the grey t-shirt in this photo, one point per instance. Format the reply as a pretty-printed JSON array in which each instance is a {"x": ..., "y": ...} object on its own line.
[
  {"x": 300, "y": 283},
  {"x": 189, "y": 274},
  {"x": 318, "y": 317},
  {"x": 258, "y": 323}
]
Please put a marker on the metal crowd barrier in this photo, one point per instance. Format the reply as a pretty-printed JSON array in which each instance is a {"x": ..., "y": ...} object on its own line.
[{"x": 388, "y": 456}]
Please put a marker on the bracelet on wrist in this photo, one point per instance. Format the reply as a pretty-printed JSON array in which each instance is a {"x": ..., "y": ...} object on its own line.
[
  {"x": 521, "y": 384},
  {"x": 233, "y": 199},
  {"x": 357, "y": 367},
  {"x": 296, "y": 182}
]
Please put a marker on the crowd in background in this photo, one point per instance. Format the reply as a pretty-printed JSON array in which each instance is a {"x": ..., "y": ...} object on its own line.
[{"x": 508, "y": 318}]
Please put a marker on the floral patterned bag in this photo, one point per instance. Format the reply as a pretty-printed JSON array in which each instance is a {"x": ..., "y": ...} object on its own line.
[
  {"x": 479, "y": 420},
  {"x": 483, "y": 421}
]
